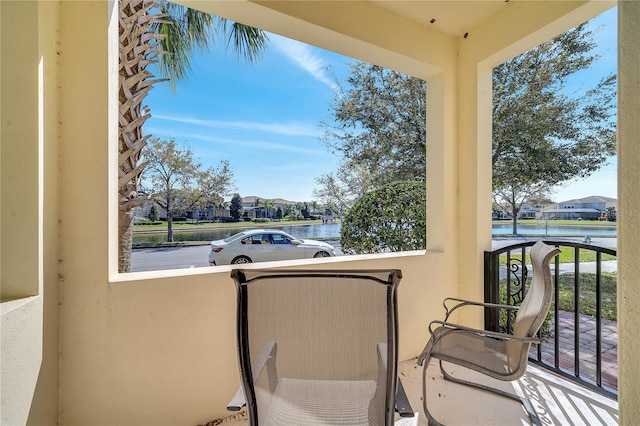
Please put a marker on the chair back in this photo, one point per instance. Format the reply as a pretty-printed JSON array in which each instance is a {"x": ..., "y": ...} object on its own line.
[
  {"x": 325, "y": 328},
  {"x": 536, "y": 304},
  {"x": 534, "y": 307}
]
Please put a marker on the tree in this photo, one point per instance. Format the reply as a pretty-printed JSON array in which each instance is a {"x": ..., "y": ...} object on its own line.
[
  {"x": 305, "y": 211},
  {"x": 177, "y": 182},
  {"x": 543, "y": 134},
  {"x": 611, "y": 214},
  {"x": 378, "y": 131},
  {"x": 147, "y": 34},
  {"x": 391, "y": 218},
  {"x": 236, "y": 207},
  {"x": 153, "y": 213}
]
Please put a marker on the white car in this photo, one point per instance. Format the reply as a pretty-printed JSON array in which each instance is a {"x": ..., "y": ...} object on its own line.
[{"x": 260, "y": 245}]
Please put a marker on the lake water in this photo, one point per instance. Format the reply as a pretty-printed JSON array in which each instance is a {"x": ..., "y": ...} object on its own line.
[
  {"x": 332, "y": 231},
  {"x": 318, "y": 231},
  {"x": 553, "y": 229}
]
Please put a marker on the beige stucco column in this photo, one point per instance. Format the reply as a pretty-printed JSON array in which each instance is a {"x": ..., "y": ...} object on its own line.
[{"x": 628, "y": 211}]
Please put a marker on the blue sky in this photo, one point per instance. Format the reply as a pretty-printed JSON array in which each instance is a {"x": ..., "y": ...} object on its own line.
[{"x": 264, "y": 117}]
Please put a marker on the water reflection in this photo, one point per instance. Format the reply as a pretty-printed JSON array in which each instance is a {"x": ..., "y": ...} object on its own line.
[
  {"x": 315, "y": 231},
  {"x": 553, "y": 229},
  {"x": 332, "y": 232}
]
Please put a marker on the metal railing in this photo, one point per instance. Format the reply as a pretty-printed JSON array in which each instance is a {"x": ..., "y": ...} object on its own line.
[{"x": 580, "y": 347}]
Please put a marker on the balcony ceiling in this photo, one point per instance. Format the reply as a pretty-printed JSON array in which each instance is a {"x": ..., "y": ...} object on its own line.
[{"x": 451, "y": 17}]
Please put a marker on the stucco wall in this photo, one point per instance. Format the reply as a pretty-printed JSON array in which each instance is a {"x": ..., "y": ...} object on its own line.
[
  {"x": 628, "y": 211},
  {"x": 29, "y": 335},
  {"x": 159, "y": 347},
  {"x": 149, "y": 347}
]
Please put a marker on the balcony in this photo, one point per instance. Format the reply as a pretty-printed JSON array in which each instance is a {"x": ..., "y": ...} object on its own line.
[
  {"x": 572, "y": 376},
  {"x": 82, "y": 344},
  {"x": 556, "y": 400}
]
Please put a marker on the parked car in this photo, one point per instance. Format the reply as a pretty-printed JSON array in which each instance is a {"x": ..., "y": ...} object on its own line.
[{"x": 260, "y": 245}]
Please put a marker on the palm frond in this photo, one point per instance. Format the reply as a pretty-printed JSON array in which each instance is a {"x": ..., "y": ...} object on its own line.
[{"x": 188, "y": 30}]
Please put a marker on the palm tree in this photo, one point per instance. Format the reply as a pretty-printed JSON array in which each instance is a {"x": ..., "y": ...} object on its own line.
[{"x": 164, "y": 33}]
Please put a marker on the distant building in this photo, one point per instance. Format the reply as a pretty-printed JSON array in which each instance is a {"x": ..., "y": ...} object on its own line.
[
  {"x": 528, "y": 211},
  {"x": 254, "y": 207},
  {"x": 588, "y": 208}
]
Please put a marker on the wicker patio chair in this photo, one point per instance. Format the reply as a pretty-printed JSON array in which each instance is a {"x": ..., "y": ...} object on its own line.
[
  {"x": 498, "y": 355},
  {"x": 317, "y": 347}
]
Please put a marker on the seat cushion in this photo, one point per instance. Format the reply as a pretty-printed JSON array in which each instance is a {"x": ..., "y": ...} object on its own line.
[{"x": 344, "y": 402}]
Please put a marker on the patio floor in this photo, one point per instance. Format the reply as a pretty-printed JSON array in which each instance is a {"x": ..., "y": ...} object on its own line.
[{"x": 556, "y": 400}]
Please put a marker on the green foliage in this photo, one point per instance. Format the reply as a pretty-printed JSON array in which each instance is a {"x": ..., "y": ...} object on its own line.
[
  {"x": 587, "y": 299},
  {"x": 187, "y": 30},
  {"x": 153, "y": 213},
  {"x": 261, "y": 220},
  {"x": 235, "y": 209},
  {"x": 504, "y": 314},
  {"x": 392, "y": 218},
  {"x": 305, "y": 211},
  {"x": 544, "y": 135},
  {"x": 587, "y": 291},
  {"x": 378, "y": 131},
  {"x": 612, "y": 214},
  {"x": 177, "y": 182},
  {"x": 567, "y": 255}
]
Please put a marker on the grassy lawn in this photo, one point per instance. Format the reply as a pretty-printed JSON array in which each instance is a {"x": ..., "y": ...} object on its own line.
[
  {"x": 587, "y": 300},
  {"x": 197, "y": 226},
  {"x": 566, "y": 256},
  {"x": 585, "y": 223}
]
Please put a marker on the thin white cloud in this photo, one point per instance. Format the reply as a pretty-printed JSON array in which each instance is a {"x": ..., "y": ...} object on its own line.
[
  {"x": 268, "y": 146},
  {"x": 303, "y": 56},
  {"x": 289, "y": 129}
]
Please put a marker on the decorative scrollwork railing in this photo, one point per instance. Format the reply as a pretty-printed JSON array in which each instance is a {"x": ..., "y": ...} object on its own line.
[{"x": 588, "y": 358}]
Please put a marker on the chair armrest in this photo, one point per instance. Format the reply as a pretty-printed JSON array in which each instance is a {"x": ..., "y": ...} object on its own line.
[
  {"x": 501, "y": 336},
  {"x": 238, "y": 401},
  {"x": 268, "y": 352},
  {"x": 462, "y": 303},
  {"x": 403, "y": 406}
]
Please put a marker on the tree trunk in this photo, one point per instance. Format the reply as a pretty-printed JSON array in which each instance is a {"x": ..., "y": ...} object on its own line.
[
  {"x": 137, "y": 51},
  {"x": 514, "y": 212},
  {"x": 125, "y": 235},
  {"x": 169, "y": 227}
]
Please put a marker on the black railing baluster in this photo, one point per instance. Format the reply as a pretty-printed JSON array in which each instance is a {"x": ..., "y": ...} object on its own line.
[
  {"x": 561, "y": 345},
  {"x": 598, "y": 319},
  {"x": 576, "y": 312},
  {"x": 509, "y": 299},
  {"x": 556, "y": 313}
]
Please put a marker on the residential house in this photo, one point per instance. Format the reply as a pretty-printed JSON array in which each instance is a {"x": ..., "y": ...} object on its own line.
[
  {"x": 85, "y": 345},
  {"x": 255, "y": 207},
  {"x": 588, "y": 208}
]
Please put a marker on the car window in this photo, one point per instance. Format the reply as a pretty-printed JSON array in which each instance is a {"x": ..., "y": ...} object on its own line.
[
  {"x": 257, "y": 239},
  {"x": 280, "y": 239}
]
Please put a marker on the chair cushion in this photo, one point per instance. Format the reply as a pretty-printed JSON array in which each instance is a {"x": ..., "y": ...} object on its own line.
[
  {"x": 321, "y": 402},
  {"x": 497, "y": 358}
]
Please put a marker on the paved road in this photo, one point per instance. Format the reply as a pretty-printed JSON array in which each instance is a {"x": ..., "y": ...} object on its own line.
[{"x": 154, "y": 259}]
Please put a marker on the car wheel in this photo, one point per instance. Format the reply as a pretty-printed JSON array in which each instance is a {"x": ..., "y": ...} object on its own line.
[
  {"x": 321, "y": 254},
  {"x": 240, "y": 260}
]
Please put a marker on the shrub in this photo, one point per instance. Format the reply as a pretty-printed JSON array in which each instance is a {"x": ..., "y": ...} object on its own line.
[{"x": 391, "y": 218}]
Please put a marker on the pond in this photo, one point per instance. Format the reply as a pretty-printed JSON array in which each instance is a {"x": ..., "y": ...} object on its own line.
[
  {"x": 550, "y": 228},
  {"x": 332, "y": 232},
  {"x": 315, "y": 231}
]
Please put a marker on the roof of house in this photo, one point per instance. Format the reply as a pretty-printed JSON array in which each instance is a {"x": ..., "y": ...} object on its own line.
[
  {"x": 591, "y": 199},
  {"x": 252, "y": 199},
  {"x": 572, "y": 211}
]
